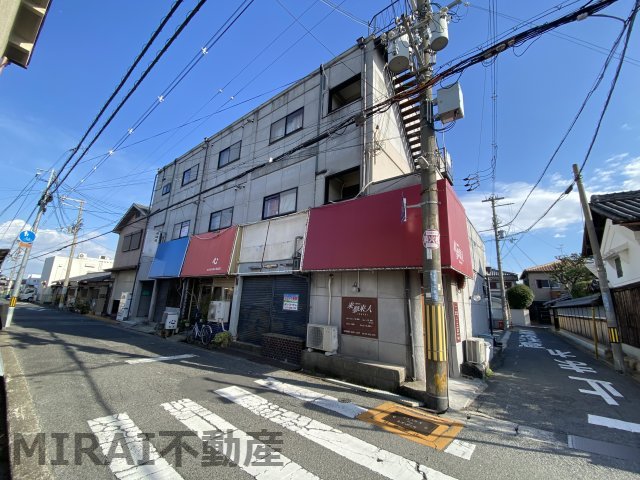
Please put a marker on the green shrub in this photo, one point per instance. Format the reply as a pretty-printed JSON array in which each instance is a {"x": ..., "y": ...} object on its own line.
[
  {"x": 222, "y": 339},
  {"x": 519, "y": 296},
  {"x": 81, "y": 307},
  {"x": 581, "y": 289}
]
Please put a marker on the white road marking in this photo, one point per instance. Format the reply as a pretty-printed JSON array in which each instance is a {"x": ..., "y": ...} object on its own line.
[
  {"x": 158, "y": 359},
  {"x": 600, "y": 388},
  {"x": 358, "y": 451},
  {"x": 461, "y": 449},
  {"x": 116, "y": 430},
  {"x": 350, "y": 410},
  {"x": 200, "y": 420},
  {"x": 613, "y": 423}
]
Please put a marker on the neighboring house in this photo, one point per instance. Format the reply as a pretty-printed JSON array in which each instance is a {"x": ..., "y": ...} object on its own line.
[
  {"x": 544, "y": 289},
  {"x": 55, "y": 269},
  {"x": 539, "y": 280},
  {"x": 293, "y": 215},
  {"x": 86, "y": 293},
  {"x": 131, "y": 230},
  {"x": 20, "y": 24},
  {"x": 493, "y": 276},
  {"x": 616, "y": 217}
]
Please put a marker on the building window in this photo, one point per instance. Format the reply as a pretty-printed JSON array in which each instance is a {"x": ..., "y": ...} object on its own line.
[
  {"x": 229, "y": 155},
  {"x": 181, "y": 229},
  {"x": 220, "y": 219},
  {"x": 618, "y": 264},
  {"x": 287, "y": 125},
  {"x": 543, "y": 283},
  {"x": 343, "y": 186},
  {"x": 493, "y": 285},
  {"x": 190, "y": 175},
  {"x": 280, "y": 203},
  {"x": 345, "y": 93},
  {"x": 131, "y": 241},
  {"x": 166, "y": 189}
]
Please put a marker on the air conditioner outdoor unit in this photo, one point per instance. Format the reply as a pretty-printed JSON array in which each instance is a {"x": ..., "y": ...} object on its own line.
[
  {"x": 476, "y": 350},
  {"x": 322, "y": 337}
]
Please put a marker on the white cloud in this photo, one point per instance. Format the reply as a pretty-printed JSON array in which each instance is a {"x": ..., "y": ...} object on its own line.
[
  {"x": 48, "y": 240},
  {"x": 626, "y": 127},
  {"x": 559, "y": 235}
]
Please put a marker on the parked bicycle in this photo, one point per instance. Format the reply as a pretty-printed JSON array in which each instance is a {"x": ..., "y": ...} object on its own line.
[{"x": 200, "y": 331}]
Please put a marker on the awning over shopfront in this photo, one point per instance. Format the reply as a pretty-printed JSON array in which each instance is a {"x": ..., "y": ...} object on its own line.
[
  {"x": 210, "y": 254},
  {"x": 369, "y": 233},
  {"x": 366, "y": 233},
  {"x": 454, "y": 237},
  {"x": 169, "y": 257}
]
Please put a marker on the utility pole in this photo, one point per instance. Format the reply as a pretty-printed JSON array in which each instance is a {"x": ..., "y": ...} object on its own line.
[
  {"x": 75, "y": 228},
  {"x": 503, "y": 296},
  {"x": 612, "y": 321},
  {"x": 436, "y": 363},
  {"x": 42, "y": 204}
]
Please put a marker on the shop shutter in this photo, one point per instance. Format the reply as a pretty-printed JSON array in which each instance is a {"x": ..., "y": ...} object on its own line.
[
  {"x": 290, "y": 322},
  {"x": 255, "y": 309}
]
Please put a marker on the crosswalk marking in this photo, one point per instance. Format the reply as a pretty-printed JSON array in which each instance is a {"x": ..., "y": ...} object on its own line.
[
  {"x": 458, "y": 448},
  {"x": 158, "y": 359},
  {"x": 350, "y": 410},
  {"x": 200, "y": 420},
  {"x": 461, "y": 449},
  {"x": 113, "y": 431},
  {"x": 358, "y": 451}
]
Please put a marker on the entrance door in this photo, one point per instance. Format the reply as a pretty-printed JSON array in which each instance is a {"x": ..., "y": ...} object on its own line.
[{"x": 146, "y": 289}]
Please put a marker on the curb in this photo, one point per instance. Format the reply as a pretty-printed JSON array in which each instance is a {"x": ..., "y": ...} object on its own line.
[{"x": 21, "y": 417}]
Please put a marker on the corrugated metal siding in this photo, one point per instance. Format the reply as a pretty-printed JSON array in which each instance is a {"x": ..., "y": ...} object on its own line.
[{"x": 261, "y": 307}]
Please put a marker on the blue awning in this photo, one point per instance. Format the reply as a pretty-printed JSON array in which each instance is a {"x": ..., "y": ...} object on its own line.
[{"x": 169, "y": 258}]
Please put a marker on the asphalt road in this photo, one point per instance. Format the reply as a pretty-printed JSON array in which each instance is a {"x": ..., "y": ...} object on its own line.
[{"x": 72, "y": 375}]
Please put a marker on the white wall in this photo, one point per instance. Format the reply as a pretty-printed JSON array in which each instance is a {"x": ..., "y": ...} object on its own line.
[
  {"x": 55, "y": 268},
  {"x": 619, "y": 241}
]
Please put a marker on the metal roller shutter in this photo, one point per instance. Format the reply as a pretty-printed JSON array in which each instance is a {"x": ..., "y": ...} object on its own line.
[
  {"x": 290, "y": 322},
  {"x": 262, "y": 307},
  {"x": 255, "y": 309}
]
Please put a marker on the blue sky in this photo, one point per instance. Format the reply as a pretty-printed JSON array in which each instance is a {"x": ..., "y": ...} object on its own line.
[{"x": 85, "y": 48}]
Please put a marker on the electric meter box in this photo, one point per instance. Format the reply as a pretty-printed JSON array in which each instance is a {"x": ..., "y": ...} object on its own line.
[{"x": 450, "y": 103}]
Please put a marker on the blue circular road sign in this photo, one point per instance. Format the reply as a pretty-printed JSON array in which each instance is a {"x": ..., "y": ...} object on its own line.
[{"x": 27, "y": 236}]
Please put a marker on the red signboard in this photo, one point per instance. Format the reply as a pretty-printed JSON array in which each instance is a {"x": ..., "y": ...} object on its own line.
[
  {"x": 456, "y": 319},
  {"x": 209, "y": 254},
  {"x": 360, "y": 317},
  {"x": 369, "y": 233},
  {"x": 454, "y": 237}
]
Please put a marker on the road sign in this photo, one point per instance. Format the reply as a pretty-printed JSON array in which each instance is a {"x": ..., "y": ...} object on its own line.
[{"x": 27, "y": 236}]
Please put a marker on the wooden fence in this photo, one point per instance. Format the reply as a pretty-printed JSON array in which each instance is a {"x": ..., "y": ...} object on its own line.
[
  {"x": 579, "y": 320},
  {"x": 627, "y": 304}
]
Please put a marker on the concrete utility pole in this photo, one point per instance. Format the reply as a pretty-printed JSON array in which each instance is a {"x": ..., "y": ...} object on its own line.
[
  {"x": 42, "y": 204},
  {"x": 75, "y": 228},
  {"x": 436, "y": 364},
  {"x": 503, "y": 295},
  {"x": 612, "y": 321}
]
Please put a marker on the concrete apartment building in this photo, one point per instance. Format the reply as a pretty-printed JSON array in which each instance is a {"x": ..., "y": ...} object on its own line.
[
  {"x": 292, "y": 215},
  {"x": 55, "y": 269}
]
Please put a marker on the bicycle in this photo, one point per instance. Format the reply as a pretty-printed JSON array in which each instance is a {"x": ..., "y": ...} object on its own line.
[{"x": 201, "y": 331}]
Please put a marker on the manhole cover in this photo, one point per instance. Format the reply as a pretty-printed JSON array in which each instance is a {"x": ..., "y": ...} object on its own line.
[
  {"x": 409, "y": 422},
  {"x": 414, "y": 425}
]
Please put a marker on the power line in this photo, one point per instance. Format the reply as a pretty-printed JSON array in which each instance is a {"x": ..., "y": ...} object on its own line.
[
  {"x": 130, "y": 70},
  {"x": 146, "y": 72}
]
